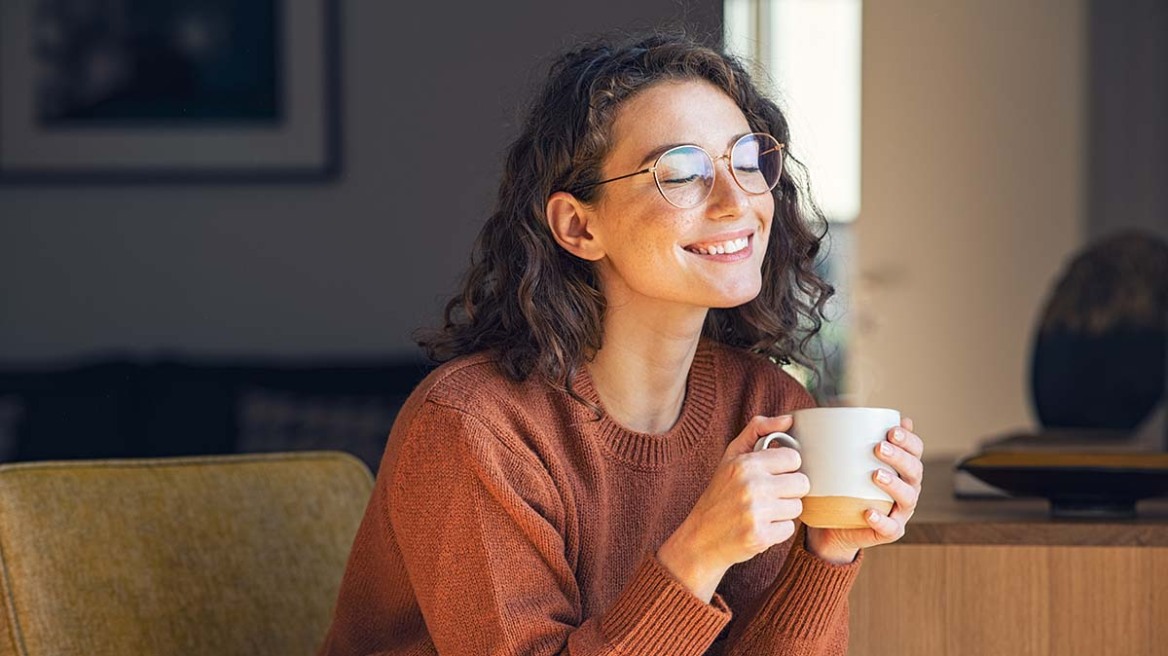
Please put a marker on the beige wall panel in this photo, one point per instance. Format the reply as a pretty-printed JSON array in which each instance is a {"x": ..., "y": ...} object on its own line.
[{"x": 973, "y": 146}]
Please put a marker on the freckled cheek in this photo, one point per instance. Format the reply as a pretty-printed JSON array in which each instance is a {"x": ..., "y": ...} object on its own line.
[
  {"x": 660, "y": 234},
  {"x": 651, "y": 251},
  {"x": 762, "y": 245},
  {"x": 768, "y": 224},
  {"x": 766, "y": 211}
]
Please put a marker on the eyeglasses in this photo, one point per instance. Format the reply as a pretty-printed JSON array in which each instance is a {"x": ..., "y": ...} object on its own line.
[{"x": 685, "y": 174}]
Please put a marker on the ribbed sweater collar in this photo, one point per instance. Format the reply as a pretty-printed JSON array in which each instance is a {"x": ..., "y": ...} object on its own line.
[{"x": 655, "y": 451}]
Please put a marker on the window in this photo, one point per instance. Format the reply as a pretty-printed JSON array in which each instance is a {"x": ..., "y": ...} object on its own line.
[{"x": 807, "y": 54}]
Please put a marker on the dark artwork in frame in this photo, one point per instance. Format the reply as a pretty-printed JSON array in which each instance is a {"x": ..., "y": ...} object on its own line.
[
  {"x": 168, "y": 90},
  {"x": 176, "y": 62}
]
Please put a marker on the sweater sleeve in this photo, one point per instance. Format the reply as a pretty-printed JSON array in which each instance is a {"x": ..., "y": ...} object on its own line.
[
  {"x": 476, "y": 522},
  {"x": 805, "y": 611}
]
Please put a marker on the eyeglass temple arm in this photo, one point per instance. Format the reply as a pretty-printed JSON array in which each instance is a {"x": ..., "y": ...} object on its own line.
[{"x": 619, "y": 177}]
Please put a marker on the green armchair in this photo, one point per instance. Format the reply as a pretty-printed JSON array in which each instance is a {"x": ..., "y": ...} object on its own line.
[{"x": 218, "y": 555}]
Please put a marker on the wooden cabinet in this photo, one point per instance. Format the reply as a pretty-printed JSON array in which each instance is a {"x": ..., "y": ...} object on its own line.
[{"x": 1001, "y": 578}]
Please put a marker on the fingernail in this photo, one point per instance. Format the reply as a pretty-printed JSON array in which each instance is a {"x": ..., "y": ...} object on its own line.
[
  {"x": 883, "y": 476},
  {"x": 898, "y": 436},
  {"x": 886, "y": 448},
  {"x": 873, "y": 516}
]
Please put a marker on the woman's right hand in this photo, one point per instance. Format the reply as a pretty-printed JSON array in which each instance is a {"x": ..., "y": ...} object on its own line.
[{"x": 749, "y": 505}]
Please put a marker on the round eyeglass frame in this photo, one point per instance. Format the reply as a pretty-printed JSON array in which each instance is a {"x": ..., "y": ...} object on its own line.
[{"x": 714, "y": 161}]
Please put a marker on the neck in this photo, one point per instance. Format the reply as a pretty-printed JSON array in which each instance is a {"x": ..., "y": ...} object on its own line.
[{"x": 640, "y": 371}]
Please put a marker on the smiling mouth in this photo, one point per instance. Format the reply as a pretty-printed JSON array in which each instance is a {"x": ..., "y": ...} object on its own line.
[{"x": 720, "y": 248}]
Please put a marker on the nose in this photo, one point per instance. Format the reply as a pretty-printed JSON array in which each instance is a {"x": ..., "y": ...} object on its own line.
[{"x": 727, "y": 199}]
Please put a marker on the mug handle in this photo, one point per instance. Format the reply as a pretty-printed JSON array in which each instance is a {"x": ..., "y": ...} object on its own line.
[{"x": 765, "y": 441}]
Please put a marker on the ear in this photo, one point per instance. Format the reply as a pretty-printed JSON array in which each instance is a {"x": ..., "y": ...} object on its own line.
[{"x": 569, "y": 220}]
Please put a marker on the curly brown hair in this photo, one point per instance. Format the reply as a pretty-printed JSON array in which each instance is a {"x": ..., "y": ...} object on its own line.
[{"x": 540, "y": 308}]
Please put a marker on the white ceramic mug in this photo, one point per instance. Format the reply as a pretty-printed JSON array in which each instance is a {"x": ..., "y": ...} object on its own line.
[{"x": 838, "y": 451}]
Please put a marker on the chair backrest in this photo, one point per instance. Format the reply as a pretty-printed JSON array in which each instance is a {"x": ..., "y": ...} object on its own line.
[{"x": 200, "y": 555}]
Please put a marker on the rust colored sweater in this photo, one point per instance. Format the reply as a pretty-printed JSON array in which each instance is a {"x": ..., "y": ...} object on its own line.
[{"x": 506, "y": 519}]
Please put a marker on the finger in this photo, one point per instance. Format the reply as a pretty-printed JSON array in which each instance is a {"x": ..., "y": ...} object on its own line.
[
  {"x": 906, "y": 423},
  {"x": 790, "y": 486},
  {"x": 905, "y": 496},
  {"x": 887, "y": 529},
  {"x": 907, "y": 440},
  {"x": 907, "y": 466},
  {"x": 780, "y": 531},
  {"x": 782, "y": 460},
  {"x": 766, "y": 425},
  {"x": 757, "y": 427},
  {"x": 785, "y": 510}
]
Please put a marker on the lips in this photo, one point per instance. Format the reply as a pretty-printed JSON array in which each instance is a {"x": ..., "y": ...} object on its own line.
[
  {"x": 724, "y": 244},
  {"x": 720, "y": 248}
]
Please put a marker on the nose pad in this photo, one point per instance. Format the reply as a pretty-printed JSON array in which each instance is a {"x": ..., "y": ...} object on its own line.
[{"x": 727, "y": 197}]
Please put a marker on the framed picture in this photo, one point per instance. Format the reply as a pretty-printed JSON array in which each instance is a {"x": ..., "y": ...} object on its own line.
[{"x": 168, "y": 90}]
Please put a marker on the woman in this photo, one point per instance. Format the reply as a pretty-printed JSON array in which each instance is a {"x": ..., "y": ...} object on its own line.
[{"x": 579, "y": 478}]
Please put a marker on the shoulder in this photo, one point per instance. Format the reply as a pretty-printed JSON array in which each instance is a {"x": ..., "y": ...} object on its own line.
[
  {"x": 753, "y": 375},
  {"x": 473, "y": 404},
  {"x": 477, "y": 385},
  {"x": 461, "y": 377},
  {"x": 474, "y": 415}
]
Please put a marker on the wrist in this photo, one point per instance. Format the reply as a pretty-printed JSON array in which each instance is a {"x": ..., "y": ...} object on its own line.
[
  {"x": 820, "y": 546},
  {"x": 690, "y": 566}
]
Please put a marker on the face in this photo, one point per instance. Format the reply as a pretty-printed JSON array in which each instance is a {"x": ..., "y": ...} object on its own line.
[{"x": 656, "y": 253}]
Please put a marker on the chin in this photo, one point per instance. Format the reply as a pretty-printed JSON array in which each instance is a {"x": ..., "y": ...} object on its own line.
[{"x": 735, "y": 298}]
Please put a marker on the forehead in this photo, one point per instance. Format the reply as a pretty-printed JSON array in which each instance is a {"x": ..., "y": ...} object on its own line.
[{"x": 673, "y": 112}]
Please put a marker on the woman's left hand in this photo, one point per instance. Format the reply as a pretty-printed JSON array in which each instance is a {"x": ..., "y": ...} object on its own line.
[{"x": 901, "y": 450}]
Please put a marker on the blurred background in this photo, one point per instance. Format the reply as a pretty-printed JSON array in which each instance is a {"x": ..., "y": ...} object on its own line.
[{"x": 221, "y": 221}]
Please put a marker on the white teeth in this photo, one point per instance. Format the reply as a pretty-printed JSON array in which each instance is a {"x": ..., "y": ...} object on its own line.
[{"x": 732, "y": 246}]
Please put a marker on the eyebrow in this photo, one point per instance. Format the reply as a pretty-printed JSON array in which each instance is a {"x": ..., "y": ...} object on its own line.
[{"x": 659, "y": 150}]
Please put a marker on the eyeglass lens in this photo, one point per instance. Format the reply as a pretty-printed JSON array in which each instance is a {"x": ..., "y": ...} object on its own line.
[{"x": 685, "y": 175}]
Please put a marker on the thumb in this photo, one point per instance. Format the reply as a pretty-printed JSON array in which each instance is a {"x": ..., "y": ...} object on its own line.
[{"x": 758, "y": 426}]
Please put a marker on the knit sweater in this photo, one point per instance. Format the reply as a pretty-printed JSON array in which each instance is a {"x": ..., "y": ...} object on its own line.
[{"x": 507, "y": 519}]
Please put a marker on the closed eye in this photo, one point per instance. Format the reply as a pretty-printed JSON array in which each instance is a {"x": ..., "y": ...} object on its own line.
[{"x": 681, "y": 181}]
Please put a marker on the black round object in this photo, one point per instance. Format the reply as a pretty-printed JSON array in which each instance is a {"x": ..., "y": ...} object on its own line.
[
  {"x": 1109, "y": 381},
  {"x": 1100, "y": 357}
]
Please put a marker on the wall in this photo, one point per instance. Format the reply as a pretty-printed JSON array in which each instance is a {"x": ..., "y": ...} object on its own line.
[
  {"x": 432, "y": 97},
  {"x": 973, "y": 143},
  {"x": 1128, "y": 117},
  {"x": 974, "y": 122}
]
